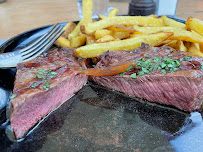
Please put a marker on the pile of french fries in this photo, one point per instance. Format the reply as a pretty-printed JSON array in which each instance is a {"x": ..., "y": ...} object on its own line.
[{"x": 92, "y": 38}]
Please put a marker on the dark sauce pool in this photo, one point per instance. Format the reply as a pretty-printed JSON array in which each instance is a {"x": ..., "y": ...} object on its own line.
[{"x": 98, "y": 119}]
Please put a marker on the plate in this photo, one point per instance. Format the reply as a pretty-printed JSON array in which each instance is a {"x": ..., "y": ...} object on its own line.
[{"x": 98, "y": 119}]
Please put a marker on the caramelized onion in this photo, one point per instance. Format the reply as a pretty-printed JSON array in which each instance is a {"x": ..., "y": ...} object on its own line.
[{"x": 109, "y": 71}]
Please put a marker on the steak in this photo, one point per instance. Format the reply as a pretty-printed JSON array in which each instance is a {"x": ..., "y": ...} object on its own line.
[
  {"x": 42, "y": 85},
  {"x": 180, "y": 87}
]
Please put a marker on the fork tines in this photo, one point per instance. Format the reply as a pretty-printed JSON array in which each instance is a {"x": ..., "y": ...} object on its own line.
[{"x": 43, "y": 43}]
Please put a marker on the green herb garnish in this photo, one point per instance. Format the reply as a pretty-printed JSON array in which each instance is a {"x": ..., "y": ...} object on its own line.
[
  {"x": 181, "y": 59},
  {"x": 187, "y": 58},
  {"x": 46, "y": 85},
  {"x": 39, "y": 76},
  {"x": 34, "y": 85},
  {"x": 32, "y": 68},
  {"x": 12, "y": 96},
  {"x": 141, "y": 73},
  {"x": 134, "y": 75},
  {"x": 130, "y": 66},
  {"x": 122, "y": 74},
  {"x": 41, "y": 70},
  {"x": 157, "y": 60},
  {"x": 163, "y": 71}
]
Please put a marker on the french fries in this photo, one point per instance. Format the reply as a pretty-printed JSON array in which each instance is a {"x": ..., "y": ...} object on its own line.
[
  {"x": 68, "y": 29},
  {"x": 62, "y": 42},
  {"x": 87, "y": 13},
  {"x": 101, "y": 33},
  {"x": 78, "y": 41},
  {"x": 91, "y": 37},
  {"x": 179, "y": 33},
  {"x": 87, "y": 10},
  {"x": 190, "y": 36},
  {"x": 170, "y": 22},
  {"x": 106, "y": 38},
  {"x": 195, "y": 25},
  {"x": 94, "y": 50},
  {"x": 121, "y": 28},
  {"x": 122, "y": 20},
  {"x": 194, "y": 49},
  {"x": 180, "y": 46},
  {"x": 121, "y": 35},
  {"x": 113, "y": 12}
]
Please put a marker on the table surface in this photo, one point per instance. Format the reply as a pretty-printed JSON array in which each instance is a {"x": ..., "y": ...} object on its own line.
[{"x": 17, "y": 16}]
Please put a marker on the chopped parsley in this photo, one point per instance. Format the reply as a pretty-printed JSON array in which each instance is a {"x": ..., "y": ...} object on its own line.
[
  {"x": 130, "y": 66},
  {"x": 122, "y": 74},
  {"x": 32, "y": 68},
  {"x": 46, "y": 85},
  {"x": 12, "y": 96},
  {"x": 41, "y": 70},
  {"x": 44, "y": 75},
  {"x": 134, "y": 75},
  {"x": 163, "y": 64},
  {"x": 34, "y": 85}
]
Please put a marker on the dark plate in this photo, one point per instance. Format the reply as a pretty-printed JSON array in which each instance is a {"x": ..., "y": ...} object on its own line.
[{"x": 97, "y": 119}]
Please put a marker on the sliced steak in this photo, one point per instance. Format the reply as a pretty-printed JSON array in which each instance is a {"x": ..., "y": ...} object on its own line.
[
  {"x": 42, "y": 85},
  {"x": 181, "y": 88}
]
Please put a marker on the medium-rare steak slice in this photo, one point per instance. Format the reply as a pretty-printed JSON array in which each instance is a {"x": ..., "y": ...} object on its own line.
[
  {"x": 42, "y": 85},
  {"x": 162, "y": 75}
]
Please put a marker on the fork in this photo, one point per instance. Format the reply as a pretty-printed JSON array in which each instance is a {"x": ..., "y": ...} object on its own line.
[{"x": 33, "y": 50}]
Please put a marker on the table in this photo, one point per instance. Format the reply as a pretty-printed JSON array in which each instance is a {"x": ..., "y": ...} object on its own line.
[{"x": 22, "y": 15}]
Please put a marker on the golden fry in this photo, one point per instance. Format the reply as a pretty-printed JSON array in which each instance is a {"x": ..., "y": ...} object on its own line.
[
  {"x": 172, "y": 44},
  {"x": 68, "y": 29},
  {"x": 195, "y": 25},
  {"x": 87, "y": 10},
  {"x": 106, "y": 38},
  {"x": 171, "y": 22},
  {"x": 179, "y": 33},
  {"x": 180, "y": 46},
  {"x": 149, "y": 30},
  {"x": 194, "y": 49},
  {"x": 122, "y": 20},
  {"x": 121, "y": 35},
  {"x": 101, "y": 33},
  {"x": 78, "y": 41},
  {"x": 87, "y": 18},
  {"x": 113, "y": 12},
  {"x": 62, "y": 42},
  {"x": 164, "y": 43},
  {"x": 190, "y": 36},
  {"x": 90, "y": 39},
  {"x": 94, "y": 50},
  {"x": 121, "y": 28}
]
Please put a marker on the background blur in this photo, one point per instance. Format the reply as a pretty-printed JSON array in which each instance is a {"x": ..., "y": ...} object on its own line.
[{"x": 17, "y": 16}]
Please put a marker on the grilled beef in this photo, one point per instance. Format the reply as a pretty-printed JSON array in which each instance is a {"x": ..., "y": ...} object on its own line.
[
  {"x": 42, "y": 85},
  {"x": 181, "y": 87}
]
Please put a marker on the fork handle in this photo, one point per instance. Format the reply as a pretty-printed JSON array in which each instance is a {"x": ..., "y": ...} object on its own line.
[{"x": 10, "y": 59}]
